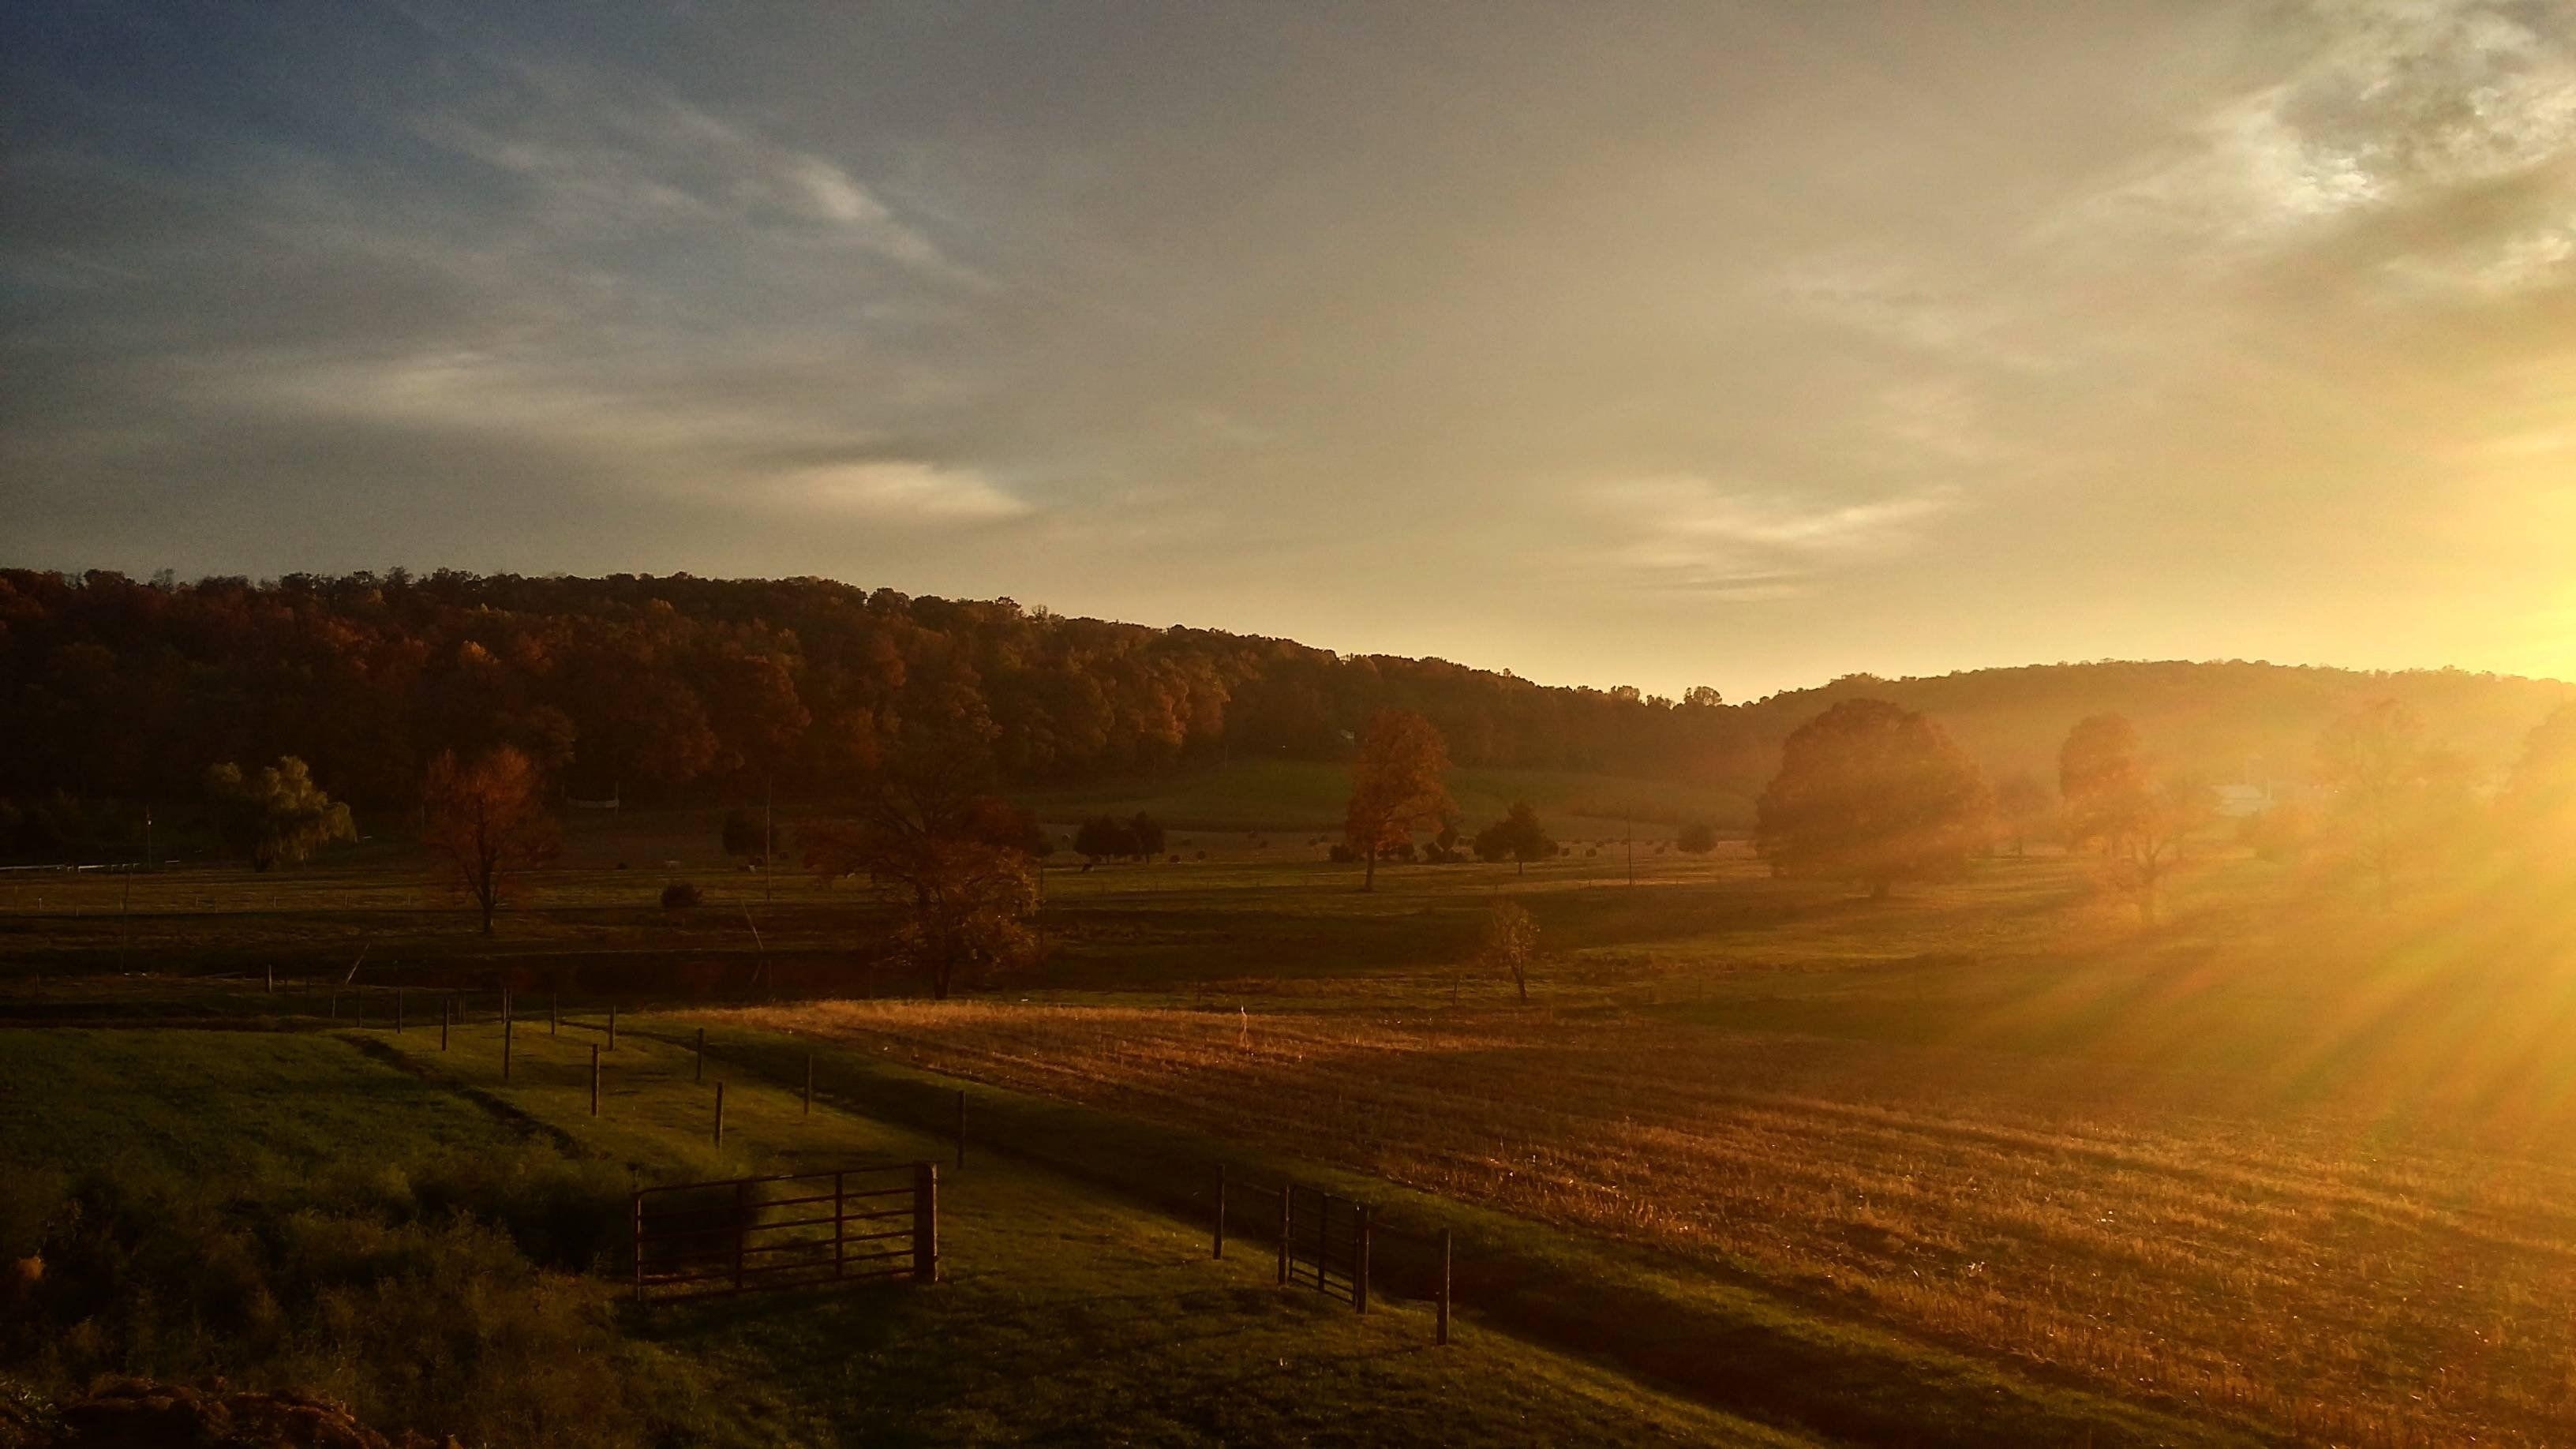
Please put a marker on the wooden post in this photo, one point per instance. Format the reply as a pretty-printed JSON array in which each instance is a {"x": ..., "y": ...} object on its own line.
[
  {"x": 362, "y": 1006},
  {"x": 398, "y": 1010},
  {"x": 925, "y": 1222},
  {"x": 335, "y": 1006},
  {"x": 699, "y": 1070},
  {"x": 741, "y": 1199},
  {"x": 720, "y": 1114},
  {"x": 1219, "y": 1253},
  {"x": 840, "y": 1216},
  {"x": 961, "y": 1127},
  {"x": 1362, "y": 1232},
  {"x": 1441, "y": 1333},
  {"x": 505, "y": 1046},
  {"x": 639, "y": 1247},
  {"x": 612, "y": 1026},
  {"x": 594, "y": 1079},
  {"x": 1285, "y": 1188},
  {"x": 809, "y": 1084},
  {"x": 446, "y": 1012},
  {"x": 554, "y": 1017},
  {"x": 269, "y": 973}
]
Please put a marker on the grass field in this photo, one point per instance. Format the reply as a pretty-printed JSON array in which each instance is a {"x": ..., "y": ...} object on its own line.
[
  {"x": 2285, "y": 1166},
  {"x": 2261, "y": 1165},
  {"x": 1066, "y": 1314}
]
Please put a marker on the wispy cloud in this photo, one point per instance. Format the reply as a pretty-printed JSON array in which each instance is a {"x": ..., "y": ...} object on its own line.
[
  {"x": 897, "y": 488},
  {"x": 606, "y": 157},
  {"x": 1687, "y": 533}
]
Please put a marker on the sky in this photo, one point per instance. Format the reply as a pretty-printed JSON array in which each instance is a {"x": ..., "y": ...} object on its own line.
[{"x": 1745, "y": 345}]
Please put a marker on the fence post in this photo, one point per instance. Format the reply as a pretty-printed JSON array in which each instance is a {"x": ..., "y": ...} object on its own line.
[
  {"x": 398, "y": 1006},
  {"x": 335, "y": 1006},
  {"x": 699, "y": 1073},
  {"x": 1442, "y": 1335},
  {"x": 809, "y": 1084},
  {"x": 961, "y": 1127},
  {"x": 720, "y": 1114},
  {"x": 612, "y": 1026},
  {"x": 506, "y": 1024},
  {"x": 1362, "y": 1231},
  {"x": 554, "y": 1016},
  {"x": 925, "y": 1222},
  {"x": 446, "y": 1011},
  {"x": 594, "y": 1079},
  {"x": 362, "y": 1006},
  {"x": 840, "y": 1216},
  {"x": 1220, "y": 1212},
  {"x": 1285, "y": 1188},
  {"x": 639, "y": 1246},
  {"x": 269, "y": 972},
  {"x": 741, "y": 1199}
]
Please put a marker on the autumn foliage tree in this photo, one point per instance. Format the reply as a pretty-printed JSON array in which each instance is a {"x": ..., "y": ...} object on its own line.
[
  {"x": 1874, "y": 794},
  {"x": 1397, "y": 786},
  {"x": 2392, "y": 793},
  {"x": 276, "y": 815},
  {"x": 485, "y": 824},
  {"x": 2113, "y": 800},
  {"x": 2100, "y": 778},
  {"x": 956, "y": 861},
  {"x": 2537, "y": 807}
]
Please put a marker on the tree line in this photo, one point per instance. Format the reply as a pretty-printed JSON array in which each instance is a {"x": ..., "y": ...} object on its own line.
[{"x": 117, "y": 694}]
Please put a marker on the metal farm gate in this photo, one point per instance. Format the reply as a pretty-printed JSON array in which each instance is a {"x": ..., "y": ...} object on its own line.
[
  {"x": 791, "y": 1230},
  {"x": 1324, "y": 1243}
]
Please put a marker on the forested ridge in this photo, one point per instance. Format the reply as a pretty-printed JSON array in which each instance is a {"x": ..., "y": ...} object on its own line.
[
  {"x": 116, "y": 692},
  {"x": 679, "y": 687}
]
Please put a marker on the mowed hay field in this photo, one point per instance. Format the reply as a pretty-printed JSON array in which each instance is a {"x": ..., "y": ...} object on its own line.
[{"x": 2286, "y": 1160}]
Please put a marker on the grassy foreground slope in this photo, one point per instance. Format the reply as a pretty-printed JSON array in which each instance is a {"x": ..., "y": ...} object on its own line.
[{"x": 1067, "y": 1313}]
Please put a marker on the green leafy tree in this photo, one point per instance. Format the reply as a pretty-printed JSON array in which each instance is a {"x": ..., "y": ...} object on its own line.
[
  {"x": 1146, "y": 833},
  {"x": 1874, "y": 794},
  {"x": 1519, "y": 837},
  {"x": 745, "y": 837},
  {"x": 276, "y": 816},
  {"x": 1398, "y": 785},
  {"x": 1696, "y": 837},
  {"x": 1104, "y": 837}
]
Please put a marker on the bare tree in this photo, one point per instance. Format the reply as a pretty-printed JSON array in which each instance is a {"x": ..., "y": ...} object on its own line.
[{"x": 1510, "y": 942}]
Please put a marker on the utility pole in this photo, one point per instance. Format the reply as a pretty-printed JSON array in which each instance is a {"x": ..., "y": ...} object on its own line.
[{"x": 768, "y": 832}]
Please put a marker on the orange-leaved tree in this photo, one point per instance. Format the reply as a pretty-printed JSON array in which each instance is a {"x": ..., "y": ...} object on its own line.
[
  {"x": 1872, "y": 793},
  {"x": 956, "y": 862},
  {"x": 1396, "y": 785},
  {"x": 485, "y": 823}
]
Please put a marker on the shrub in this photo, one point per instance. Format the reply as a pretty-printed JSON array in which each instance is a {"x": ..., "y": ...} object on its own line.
[{"x": 679, "y": 895}]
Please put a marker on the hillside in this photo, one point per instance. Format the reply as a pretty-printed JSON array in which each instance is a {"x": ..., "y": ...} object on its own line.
[
  {"x": 2230, "y": 719},
  {"x": 118, "y": 695}
]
